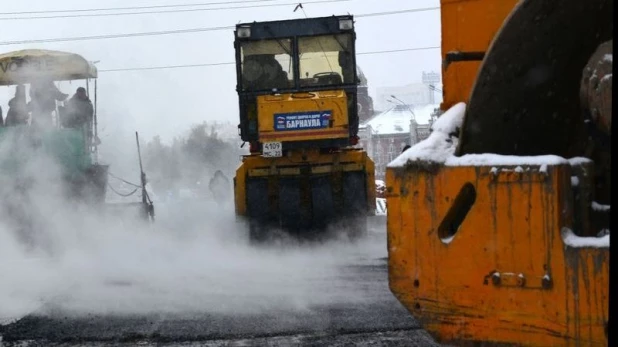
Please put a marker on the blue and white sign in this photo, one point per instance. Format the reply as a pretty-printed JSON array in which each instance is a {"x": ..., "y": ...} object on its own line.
[{"x": 302, "y": 120}]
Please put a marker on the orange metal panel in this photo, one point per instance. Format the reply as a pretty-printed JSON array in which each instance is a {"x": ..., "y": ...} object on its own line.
[
  {"x": 467, "y": 26},
  {"x": 334, "y": 101},
  {"x": 514, "y": 229}
]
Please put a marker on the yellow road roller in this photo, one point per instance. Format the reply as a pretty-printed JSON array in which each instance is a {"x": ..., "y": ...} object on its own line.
[{"x": 297, "y": 86}]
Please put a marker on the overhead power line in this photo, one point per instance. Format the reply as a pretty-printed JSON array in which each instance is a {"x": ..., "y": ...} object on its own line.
[
  {"x": 233, "y": 63},
  {"x": 116, "y": 36},
  {"x": 179, "y": 31},
  {"x": 400, "y": 50},
  {"x": 137, "y": 7},
  {"x": 166, "y": 67},
  {"x": 397, "y": 12},
  {"x": 167, "y": 11}
]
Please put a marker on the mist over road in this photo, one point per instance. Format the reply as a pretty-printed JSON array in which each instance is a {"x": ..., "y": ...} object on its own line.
[{"x": 193, "y": 280}]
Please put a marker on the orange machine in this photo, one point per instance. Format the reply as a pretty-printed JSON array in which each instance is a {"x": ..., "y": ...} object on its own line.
[
  {"x": 501, "y": 237},
  {"x": 468, "y": 26}
]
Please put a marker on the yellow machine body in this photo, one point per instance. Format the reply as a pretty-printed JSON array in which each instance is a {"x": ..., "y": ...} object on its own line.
[
  {"x": 314, "y": 164},
  {"x": 309, "y": 108},
  {"x": 467, "y": 26},
  {"x": 305, "y": 191},
  {"x": 493, "y": 254},
  {"x": 298, "y": 97},
  {"x": 506, "y": 275}
]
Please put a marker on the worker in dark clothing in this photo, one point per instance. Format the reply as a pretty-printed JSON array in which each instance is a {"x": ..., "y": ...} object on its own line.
[
  {"x": 44, "y": 95},
  {"x": 78, "y": 111},
  {"x": 219, "y": 186},
  {"x": 18, "y": 108},
  {"x": 263, "y": 71}
]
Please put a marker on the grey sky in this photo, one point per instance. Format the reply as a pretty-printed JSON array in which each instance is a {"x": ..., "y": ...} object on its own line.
[{"x": 167, "y": 102}]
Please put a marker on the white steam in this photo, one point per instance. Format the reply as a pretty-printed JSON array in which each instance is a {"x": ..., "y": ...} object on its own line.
[{"x": 194, "y": 259}]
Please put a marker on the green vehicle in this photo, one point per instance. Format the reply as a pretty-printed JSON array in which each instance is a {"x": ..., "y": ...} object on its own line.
[{"x": 28, "y": 149}]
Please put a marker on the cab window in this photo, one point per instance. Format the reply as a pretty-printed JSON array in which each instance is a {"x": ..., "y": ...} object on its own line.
[
  {"x": 267, "y": 65},
  {"x": 326, "y": 60}
]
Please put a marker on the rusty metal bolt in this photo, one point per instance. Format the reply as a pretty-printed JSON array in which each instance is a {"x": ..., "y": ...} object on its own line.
[
  {"x": 546, "y": 282},
  {"x": 521, "y": 280},
  {"x": 495, "y": 279}
]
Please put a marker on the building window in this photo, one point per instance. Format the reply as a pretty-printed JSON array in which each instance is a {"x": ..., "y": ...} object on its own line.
[{"x": 391, "y": 150}]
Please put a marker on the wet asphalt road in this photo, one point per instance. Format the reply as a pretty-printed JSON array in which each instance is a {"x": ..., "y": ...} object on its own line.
[
  {"x": 350, "y": 304},
  {"x": 380, "y": 321}
]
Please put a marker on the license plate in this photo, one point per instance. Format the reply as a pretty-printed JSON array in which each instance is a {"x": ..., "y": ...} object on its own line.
[{"x": 272, "y": 149}]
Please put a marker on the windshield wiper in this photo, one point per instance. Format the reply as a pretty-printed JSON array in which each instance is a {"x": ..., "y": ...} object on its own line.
[{"x": 278, "y": 41}]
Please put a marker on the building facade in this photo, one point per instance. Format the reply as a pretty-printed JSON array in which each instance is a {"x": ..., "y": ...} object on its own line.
[
  {"x": 385, "y": 135},
  {"x": 408, "y": 112},
  {"x": 365, "y": 102},
  {"x": 425, "y": 92}
]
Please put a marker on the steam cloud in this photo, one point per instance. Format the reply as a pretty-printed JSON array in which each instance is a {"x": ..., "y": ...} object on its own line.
[{"x": 194, "y": 259}]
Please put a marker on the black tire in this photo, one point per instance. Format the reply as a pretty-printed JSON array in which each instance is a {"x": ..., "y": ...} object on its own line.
[
  {"x": 323, "y": 205},
  {"x": 290, "y": 213},
  {"x": 357, "y": 228},
  {"x": 257, "y": 232},
  {"x": 257, "y": 209},
  {"x": 355, "y": 204}
]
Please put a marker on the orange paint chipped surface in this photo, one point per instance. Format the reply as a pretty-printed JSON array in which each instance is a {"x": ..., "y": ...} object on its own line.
[
  {"x": 506, "y": 276},
  {"x": 467, "y": 26}
]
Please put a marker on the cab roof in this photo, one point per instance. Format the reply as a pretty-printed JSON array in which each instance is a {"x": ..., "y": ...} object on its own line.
[
  {"x": 295, "y": 27},
  {"x": 26, "y": 66}
]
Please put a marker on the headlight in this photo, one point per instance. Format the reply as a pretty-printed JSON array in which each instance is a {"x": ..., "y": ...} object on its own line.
[
  {"x": 346, "y": 24},
  {"x": 243, "y": 32}
]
